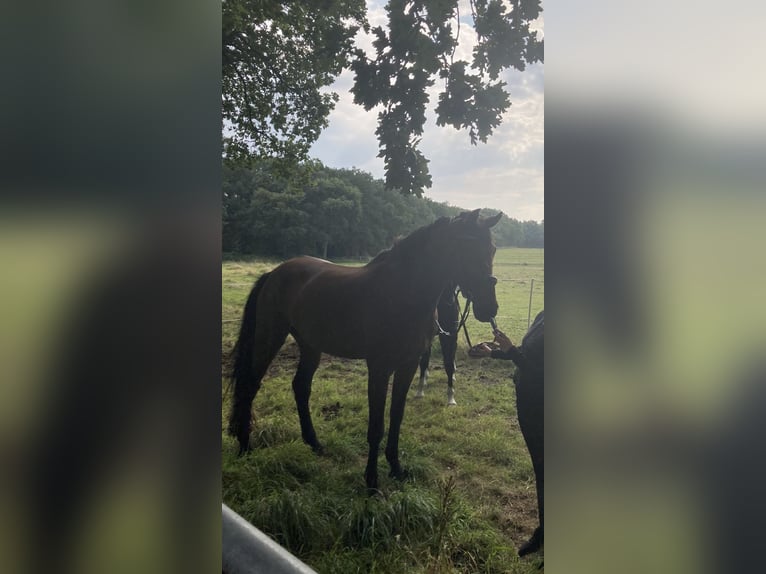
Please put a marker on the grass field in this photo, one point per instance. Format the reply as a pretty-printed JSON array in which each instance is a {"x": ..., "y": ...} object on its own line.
[{"x": 470, "y": 500}]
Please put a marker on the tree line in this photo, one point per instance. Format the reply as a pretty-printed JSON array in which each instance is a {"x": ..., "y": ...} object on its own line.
[{"x": 332, "y": 213}]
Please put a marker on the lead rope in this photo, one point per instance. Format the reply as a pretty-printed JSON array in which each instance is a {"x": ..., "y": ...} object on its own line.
[{"x": 466, "y": 309}]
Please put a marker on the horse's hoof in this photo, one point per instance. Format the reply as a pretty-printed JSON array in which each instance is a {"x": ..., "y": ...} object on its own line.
[
  {"x": 532, "y": 545},
  {"x": 372, "y": 488},
  {"x": 244, "y": 449},
  {"x": 318, "y": 449},
  {"x": 371, "y": 479},
  {"x": 452, "y": 403},
  {"x": 419, "y": 395},
  {"x": 401, "y": 474}
]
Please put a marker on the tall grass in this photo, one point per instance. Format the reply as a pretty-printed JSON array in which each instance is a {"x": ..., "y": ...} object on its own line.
[{"x": 470, "y": 499}]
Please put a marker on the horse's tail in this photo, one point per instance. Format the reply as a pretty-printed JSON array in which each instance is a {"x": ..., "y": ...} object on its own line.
[{"x": 242, "y": 369}]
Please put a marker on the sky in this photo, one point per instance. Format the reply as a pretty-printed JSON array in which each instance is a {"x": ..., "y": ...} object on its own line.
[
  {"x": 692, "y": 62},
  {"x": 506, "y": 173}
]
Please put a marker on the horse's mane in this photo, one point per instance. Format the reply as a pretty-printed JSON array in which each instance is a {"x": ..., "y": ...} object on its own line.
[{"x": 412, "y": 242}]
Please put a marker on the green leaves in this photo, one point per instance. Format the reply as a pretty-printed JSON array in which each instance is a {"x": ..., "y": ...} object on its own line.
[
  {"x": 279, "y": 55},
  {"x": 419, "y": 46},
  {"x": 505, "y": 39},
  {"x": 469, "y": 103},
  {"x": 407, "y": 58}
]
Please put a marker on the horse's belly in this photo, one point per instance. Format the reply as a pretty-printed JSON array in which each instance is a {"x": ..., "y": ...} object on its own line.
[
  {"x": 342, "y": 339},
  {"x": 347, "y": 318},
  {"x": 353, "y": 340},
  {"x": 346, "y": 351}
]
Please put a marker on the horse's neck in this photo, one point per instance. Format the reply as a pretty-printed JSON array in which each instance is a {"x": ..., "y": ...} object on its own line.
[{"x": 428, "y": 277}]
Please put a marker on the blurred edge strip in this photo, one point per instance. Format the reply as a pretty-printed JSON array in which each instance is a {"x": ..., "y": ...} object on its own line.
[{"x": 247, "y": 550}]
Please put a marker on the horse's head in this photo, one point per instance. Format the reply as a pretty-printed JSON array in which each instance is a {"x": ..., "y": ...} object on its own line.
[{"x": 472, "y": 253}]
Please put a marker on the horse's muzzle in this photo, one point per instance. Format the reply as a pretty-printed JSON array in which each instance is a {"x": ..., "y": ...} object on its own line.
[
  {"x": 484, "y": 299},
  {"x": 484, "y": 314}
]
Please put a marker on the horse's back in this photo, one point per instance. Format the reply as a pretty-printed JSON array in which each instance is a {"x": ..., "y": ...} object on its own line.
[
  {"x": 293, "y": 276},
  {"x": 304, "y": 266},
  {"x": 323, "y": 303}
]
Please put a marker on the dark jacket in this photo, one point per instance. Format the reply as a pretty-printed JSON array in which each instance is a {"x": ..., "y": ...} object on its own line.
[
  {"x": 529, "y": 356},
  {"x": 530, "y": 379}
]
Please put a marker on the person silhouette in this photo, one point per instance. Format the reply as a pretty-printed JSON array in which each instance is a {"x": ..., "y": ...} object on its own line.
[{"x": 529, "y": 380}]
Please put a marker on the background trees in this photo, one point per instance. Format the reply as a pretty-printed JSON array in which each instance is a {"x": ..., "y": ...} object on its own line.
[{"x": 332, "y": 213}]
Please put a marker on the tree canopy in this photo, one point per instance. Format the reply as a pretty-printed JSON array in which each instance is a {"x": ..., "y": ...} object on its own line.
[{"x": 278, "y": 55}]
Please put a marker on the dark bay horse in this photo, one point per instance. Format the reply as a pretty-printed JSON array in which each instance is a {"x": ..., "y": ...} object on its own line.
[
  {"x": 448, "y": 317},
  {"x": 382, "y": 312}
]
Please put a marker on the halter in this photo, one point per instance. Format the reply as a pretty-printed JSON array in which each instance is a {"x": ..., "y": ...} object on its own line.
[{"x": 461, "y": 323}]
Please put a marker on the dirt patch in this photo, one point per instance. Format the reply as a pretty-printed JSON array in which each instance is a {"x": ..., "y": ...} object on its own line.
[
  {"x": 490, "y": 380},
  {"x": 330, "y": 412},
  {"x": 518, "y": 514},
  {"x": 286, "y": 361}
]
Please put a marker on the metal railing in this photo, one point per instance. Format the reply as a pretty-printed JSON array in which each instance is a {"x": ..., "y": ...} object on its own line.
[{"x": 247, "y": 550}]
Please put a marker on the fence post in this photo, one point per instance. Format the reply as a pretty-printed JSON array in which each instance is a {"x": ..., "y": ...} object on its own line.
[{"x": 529, "y": 312}]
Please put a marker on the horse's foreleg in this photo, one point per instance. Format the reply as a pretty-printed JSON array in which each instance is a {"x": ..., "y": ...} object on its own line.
[
  {"x": 402, "y": 381},
  {"x": 307, "y": 366},
  {"x": 377, "y": 387},
  {"x": 451, "y": 389},
  {"x": 425, "y": 359},
  {"x": 449, "y": 349}
]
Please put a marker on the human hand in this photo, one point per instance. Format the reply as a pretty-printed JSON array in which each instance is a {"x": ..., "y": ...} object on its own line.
[
  {"x": 503, "y": 340},
  {"x": 481, "y": 350}
]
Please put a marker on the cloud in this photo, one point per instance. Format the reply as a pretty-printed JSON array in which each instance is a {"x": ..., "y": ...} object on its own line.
[
  {"x": 349, "y": 140},
  {"x": 507, "y": 172}
]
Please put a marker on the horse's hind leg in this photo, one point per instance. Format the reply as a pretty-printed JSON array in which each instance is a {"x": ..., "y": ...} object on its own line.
[
  {"x": 307, "y": 366},
  {"x": 425, "y": 359}
]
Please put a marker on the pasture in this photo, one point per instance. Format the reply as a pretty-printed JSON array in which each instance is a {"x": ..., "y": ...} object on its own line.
[{"x": 470, "y": 499}]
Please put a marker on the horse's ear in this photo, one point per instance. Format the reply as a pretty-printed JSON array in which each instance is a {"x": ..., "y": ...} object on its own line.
[
  {"x": 468, "y": 216},
  {"x": 492, "y": 221}
]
